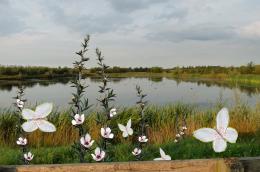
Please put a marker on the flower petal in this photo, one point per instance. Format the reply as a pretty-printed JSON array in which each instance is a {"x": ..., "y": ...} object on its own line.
[
  {"x": 87, "y": 137},
  {"x": 82, "y": 141},
  {"x": 102, "y": 131},
  {"x": 111, "y": 136},
  {"x": 97, "y": 151}
]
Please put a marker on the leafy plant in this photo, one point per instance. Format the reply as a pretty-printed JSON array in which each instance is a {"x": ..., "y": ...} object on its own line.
[
  {"x": 22, "y": 141},
  {"x": 79, "y": 103},
  {"x": 107, "y": 96}
]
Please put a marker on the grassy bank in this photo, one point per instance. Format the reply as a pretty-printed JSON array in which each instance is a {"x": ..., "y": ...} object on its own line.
[
  {"x": 161, "y": 119},
  {"x": 163, "y": 125},
  {"x": 246, "y": 79},
  {"x": 188, "y": 148}
]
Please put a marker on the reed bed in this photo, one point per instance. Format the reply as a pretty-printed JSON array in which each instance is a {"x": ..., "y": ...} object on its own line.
[{"x": 163, "y": 122}]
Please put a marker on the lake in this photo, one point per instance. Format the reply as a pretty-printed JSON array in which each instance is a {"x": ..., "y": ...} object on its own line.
[{"x": 159, "y": 91}]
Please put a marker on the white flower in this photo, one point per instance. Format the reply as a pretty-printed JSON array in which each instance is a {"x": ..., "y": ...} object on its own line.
[
  {"x": 184, "y": 128},
  {"x": 142, "y": 139},
  {"x": 127, "y": 130},
  {"x": 182, "y": 133},
  {"x": 19, "y": 103},
  {"x": 106, "y": 133},
  {"x": 99, "y": 155},
  {"x": 37, "y": 119},
  {"x": 220, "y": 135},
  {"x": 175, "y": 141},
  {"x": 164, "y": 157},
  {"x": 28, "y": 156},
  {"x": 78, "y": 119},
  {"x": 112, "y": 112},
  {"x": 21, "y": 141},
  {"x": 178, "y": 135},
  {"x": 136, "y": 151},
  {"x": 86, "y": 141}
]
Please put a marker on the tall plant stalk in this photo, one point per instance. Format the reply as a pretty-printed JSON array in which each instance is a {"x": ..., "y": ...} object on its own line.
[
  {"x": 22, "y": 141},
  {"x": 79, "y": 102},
  {"x": 107, "y": 96},
  {"x": 142, "y": 135},
  {"x": 142, "y": 104}
]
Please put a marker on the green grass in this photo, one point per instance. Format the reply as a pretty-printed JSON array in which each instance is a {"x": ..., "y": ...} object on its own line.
[
  {"x": 188, "y": 148},
  {"x": 162, "y": 120},
  {"x": 236, "y": 80}
]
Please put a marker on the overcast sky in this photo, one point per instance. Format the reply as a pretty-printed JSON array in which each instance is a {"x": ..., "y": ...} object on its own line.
[{"x": 163, "y": 33}]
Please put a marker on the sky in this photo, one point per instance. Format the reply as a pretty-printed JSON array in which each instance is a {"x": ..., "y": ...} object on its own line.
[{"x": 130, "y": 33}]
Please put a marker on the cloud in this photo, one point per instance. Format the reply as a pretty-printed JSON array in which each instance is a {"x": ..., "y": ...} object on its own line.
[
  {"x": 251, "y": 30},
  {"x": 86, "y": 17},
  {"x": 10, "y": 19},
  {"x": 201, "y": 32},
  {"x": 130, "y": 32},
  {"x": 128, "y": 6}
]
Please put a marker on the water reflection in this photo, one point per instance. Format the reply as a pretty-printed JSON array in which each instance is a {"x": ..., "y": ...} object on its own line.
[
  {"x": 249, "y": 90},
  {"x": 6, "y": 85},
  {"x": 160, "y": 90}
]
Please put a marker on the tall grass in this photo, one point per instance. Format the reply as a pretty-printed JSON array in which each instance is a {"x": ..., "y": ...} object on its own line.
[
  {"x": 189, "y": 148},
  {"x": 162, "y": 123}
]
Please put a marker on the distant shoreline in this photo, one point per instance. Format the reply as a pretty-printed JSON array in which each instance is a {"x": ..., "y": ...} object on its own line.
[
  {"x": 241, "y": 79},
  {"x": 245, "y": 75}
]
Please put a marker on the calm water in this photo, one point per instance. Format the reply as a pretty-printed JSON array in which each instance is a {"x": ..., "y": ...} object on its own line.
[{"x": 159, "y": 90}]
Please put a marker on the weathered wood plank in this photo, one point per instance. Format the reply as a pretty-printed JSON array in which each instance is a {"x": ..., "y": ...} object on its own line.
[
  {"x": 214, "y": 165},
  {"x": 200, "y": 165},
  {"x": 251, "y": 164}
]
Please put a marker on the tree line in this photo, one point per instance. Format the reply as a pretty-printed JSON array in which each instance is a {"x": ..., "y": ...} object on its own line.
[
  {"x": 250, "y": 68},
  {"x": 24, "y": 71}
]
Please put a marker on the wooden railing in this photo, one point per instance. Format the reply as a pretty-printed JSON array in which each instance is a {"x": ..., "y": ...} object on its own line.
[{"x": 200, "y": 165}]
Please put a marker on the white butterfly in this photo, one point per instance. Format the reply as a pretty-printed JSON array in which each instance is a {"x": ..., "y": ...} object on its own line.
[
  {"x": 37, "y": 119},
  {"x": 219, "y": 136},
  {"x": 127, "y": 130},
  {"x": 164, "y": 157}
]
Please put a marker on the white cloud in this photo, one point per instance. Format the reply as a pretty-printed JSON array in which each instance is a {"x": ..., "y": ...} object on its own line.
[
  {"x": 251, "y": 30},
  {"x": 130, "y": 32}
]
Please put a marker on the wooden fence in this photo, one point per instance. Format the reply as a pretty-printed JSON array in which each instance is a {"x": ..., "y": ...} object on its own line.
[{"x": 200, "y": 165}]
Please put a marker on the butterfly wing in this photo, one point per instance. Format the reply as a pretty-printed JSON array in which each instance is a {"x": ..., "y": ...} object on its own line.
[
  {"x": 222, "y": 120},
  {"x": 28, "y": 114},
  {"x": 128, "y": 128},
  {"x": 158, "y": 159},
  {"x": 167, "y": 157},
  {"x": 231, "y": 135},
  {"x": 162, "y": 153},
  {"x": 205, "y": 134},
  {"x": 123, "y": 129},
  {"x": 164, "y": 156},
  {"x": 46, "y": 126},
  {"x": 43, "y": 110},
  {"x": 130, "y": 131},
  {"x": 129, "y": 123},
  {"x": 219, "y": 145},
  {"x": 29, "y": 126}
]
